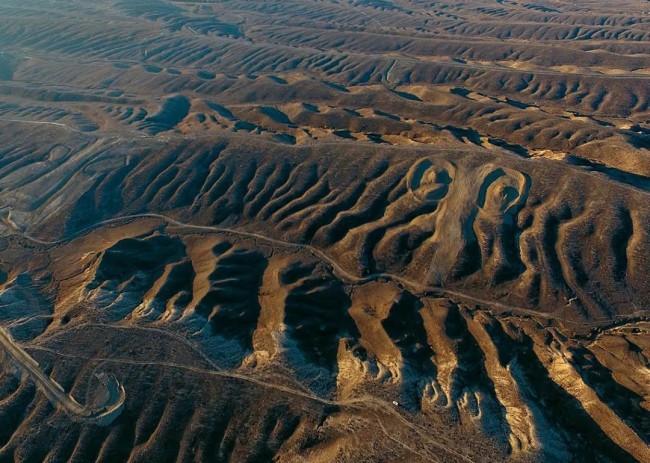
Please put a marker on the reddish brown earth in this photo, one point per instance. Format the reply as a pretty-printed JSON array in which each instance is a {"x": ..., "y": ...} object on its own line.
[{"x": 245, "y": 230}]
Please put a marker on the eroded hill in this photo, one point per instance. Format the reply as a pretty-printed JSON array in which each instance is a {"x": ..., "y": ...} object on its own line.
[{"x": 324, "y": 231}]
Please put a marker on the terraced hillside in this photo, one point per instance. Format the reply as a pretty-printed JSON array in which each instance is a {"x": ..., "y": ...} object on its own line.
[{"x": 324, "y": 231}]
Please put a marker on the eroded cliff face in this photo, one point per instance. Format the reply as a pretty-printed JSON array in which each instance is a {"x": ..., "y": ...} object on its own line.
[
  {"x": 235, "y": 307},
  {"x": 512, "y": 232}
]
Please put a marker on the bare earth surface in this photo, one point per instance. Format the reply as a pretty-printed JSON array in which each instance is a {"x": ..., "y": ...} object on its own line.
[{"x": 324, "y": 231}]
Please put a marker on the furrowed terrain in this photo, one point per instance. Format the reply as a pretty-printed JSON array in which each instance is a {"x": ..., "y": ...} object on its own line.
[{"x": 324, "y": 231}]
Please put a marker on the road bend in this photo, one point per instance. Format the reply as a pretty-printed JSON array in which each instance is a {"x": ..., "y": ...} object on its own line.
[{"x": 103, "y": 415}]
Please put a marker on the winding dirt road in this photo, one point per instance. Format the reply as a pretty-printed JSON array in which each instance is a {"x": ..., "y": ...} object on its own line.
[
  {"x": 373, "y": 404},
  {"x": 339, "y": 271},
  {"x": 103, "y": 415}
]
